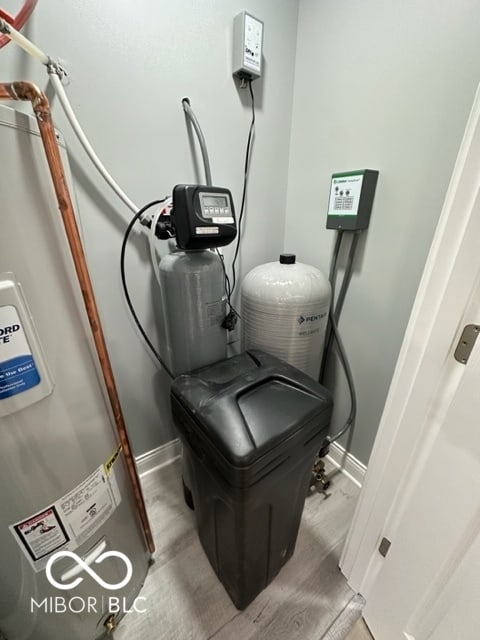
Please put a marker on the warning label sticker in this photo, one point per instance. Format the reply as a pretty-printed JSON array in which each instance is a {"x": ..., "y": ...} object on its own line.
[
  {"x": 42, "y": 534},
  {"x": 87, "y": 507},
  {"x": 71, "y": 520},
  {"x": 18, "y": 371}
]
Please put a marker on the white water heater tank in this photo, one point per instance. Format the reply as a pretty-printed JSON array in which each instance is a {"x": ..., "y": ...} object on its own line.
[
  {"x": 285, "y": 312},
  {"x": 65, "y": 492}
]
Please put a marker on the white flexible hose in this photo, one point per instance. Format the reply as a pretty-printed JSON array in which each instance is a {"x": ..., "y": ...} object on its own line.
[
  {"x": 37, "y": 53},
  {"x": 23, "y": 42},
  {"x": 82, "y": 138}
]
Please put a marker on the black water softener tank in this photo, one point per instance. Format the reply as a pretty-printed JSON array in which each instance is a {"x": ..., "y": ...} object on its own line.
[{"x": 251, "y": 426}]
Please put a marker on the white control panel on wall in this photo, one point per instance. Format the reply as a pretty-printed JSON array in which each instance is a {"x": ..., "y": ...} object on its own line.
[{"x": 247, "y": 46}]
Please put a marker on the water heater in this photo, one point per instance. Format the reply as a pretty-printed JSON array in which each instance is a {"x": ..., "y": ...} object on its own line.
[
  {"x": 285, "y": 312},
  {"x": 65, "y": 487}
]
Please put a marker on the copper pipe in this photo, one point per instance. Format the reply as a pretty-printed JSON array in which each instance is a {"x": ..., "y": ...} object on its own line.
[{"x": 41, "y": 108}]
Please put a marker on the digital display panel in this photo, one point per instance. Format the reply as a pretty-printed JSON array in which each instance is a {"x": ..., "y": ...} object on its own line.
[{"x": 215, "y": 201}]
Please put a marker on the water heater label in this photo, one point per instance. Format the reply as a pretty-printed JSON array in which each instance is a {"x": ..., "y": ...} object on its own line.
[
  {"x": 41, "y": 534},
  {"x": 89, "y": 505},
  {"x": 71, "y": 520},
  {"x": 18, "y": 371}
]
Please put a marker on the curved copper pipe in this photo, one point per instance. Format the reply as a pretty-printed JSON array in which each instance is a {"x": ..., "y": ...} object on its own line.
[{"x": 41, "y": 108}]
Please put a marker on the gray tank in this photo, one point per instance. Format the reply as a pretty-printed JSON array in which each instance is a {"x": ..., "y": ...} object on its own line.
[{"x": 194, "y": 308}]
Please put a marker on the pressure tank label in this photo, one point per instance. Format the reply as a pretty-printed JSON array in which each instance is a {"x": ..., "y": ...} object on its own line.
[{"x": 18, "y": 371}]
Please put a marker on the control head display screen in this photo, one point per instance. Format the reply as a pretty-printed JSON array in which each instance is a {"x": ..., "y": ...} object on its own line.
[
  {"x": 215, "y": 201},
  {"x": 216, "y": 207},
  {"x": 203, "y": 216}
]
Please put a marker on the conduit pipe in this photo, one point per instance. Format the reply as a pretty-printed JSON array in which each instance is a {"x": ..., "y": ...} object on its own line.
[
  {"x": 27, "y": 91},
  {"x": 56, "y": 72},
  {"x": 201, "y": 139}
]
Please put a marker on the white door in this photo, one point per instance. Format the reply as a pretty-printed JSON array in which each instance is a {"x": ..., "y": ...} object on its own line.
[
  {"x": 422, "y": 491},
  {"x": 429, "y": 582}
]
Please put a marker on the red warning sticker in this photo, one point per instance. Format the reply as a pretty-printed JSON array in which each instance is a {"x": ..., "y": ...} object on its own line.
[{"x": 42, "y": 533}]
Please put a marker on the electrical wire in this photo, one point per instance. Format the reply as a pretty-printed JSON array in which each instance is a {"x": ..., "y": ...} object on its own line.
[
  {"x": 125, "y": 288},
  {"x": 248, "y": 152},
  {"x": 228, "y": 288},
  {"x": 232, "y": 315},
  {"x": 201, "y": 139}
]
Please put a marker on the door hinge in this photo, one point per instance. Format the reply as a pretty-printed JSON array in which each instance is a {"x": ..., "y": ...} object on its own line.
[
  {"x": 384, "y": 547},
  {"x": 466, "y": 343}
]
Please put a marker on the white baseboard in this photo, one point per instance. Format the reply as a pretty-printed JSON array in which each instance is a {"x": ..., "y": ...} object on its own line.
[
  {"x": 158, "y": 458},
  {"x": 348, "y": 464},
  {"x": 171, "y": 451}
]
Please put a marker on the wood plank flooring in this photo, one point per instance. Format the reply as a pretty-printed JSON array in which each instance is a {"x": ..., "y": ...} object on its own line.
[{"x": 185, "y": 600}]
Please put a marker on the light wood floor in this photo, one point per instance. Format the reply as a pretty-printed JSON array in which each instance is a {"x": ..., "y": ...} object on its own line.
[{"x": 185, "y": 600}]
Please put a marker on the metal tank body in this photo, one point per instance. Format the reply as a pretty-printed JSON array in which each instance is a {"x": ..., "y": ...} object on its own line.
[
  {"x": 194, "y": 305},
  {"x": 62, "y": 485},
  {"x": 284, "y": 309}
]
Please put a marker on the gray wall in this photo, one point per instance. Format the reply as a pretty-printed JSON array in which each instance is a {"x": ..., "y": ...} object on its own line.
[
  {"x": 126, "y": 87},
  {"x": 386, "y": 86},
  {"x": 377, "y": 85}
]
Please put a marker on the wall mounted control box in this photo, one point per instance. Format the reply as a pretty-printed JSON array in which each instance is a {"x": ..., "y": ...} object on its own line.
[
  {"x": 247, "y": 46},
  {"x": 351, "y": 199}
]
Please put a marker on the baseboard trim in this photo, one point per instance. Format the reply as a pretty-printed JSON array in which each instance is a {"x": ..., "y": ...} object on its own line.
[
  {"x": 171, "y": 451},
  {"x": 158, "y": 458},
  {"x": 348, "y": 464}
]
